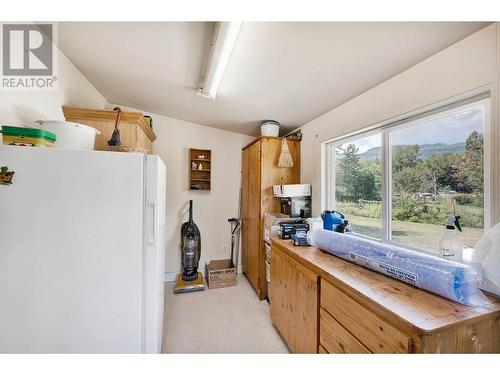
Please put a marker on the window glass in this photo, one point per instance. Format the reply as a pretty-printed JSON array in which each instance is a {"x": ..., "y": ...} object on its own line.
[
  {"x": 358, "y": 184},
  {"x": 437, "y": 171}
]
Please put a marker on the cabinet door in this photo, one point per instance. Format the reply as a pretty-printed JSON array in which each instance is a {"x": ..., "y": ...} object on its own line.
[
  {"x": 271, "y": 175},
  {"x": 482, "y": 336},
  {"x": 294, "y": 302},
  {"x": 251, "y": 238}
]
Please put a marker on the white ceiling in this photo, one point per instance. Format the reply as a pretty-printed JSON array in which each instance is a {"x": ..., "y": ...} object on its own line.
[{"x": 289, "y": 72}]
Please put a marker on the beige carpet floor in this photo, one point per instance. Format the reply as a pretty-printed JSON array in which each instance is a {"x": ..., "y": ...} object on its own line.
[{"x": 226, "y": 320}]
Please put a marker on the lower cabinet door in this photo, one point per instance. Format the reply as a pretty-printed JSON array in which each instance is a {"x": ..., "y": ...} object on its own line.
[{"x": 294, "y": 302}]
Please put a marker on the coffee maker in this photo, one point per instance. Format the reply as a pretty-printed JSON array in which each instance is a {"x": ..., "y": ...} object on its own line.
[{"x": 295, "y": 199}]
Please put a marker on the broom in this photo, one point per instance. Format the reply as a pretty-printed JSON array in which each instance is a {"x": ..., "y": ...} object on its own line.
[{"x": 285, "y": 157}]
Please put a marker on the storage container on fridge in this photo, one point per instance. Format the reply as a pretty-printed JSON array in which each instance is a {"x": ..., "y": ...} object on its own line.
[
  {"x": 20, "y": 136},
  {"x": 71, "y": 135}
]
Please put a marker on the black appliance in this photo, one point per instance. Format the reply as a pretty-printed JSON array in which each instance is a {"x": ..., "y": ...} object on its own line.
[
  {"x": 287, "y": 229},
  {"x": 296, "y": 206}
]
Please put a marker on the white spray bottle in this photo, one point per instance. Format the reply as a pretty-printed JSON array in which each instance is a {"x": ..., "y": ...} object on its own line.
[{"x": 451, "y": 246}]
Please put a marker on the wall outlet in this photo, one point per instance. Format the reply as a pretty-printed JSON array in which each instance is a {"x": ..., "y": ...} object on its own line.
[{"x": 224, "y": 249}]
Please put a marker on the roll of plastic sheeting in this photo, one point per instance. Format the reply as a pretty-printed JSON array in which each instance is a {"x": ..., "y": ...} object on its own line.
[{"x": 456, "y": 281}]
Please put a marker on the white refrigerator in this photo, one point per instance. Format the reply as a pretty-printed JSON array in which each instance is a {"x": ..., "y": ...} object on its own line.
[{"x": 82, "y": 247}]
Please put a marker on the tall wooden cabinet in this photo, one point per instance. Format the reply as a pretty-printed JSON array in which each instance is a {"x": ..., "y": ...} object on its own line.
[{"x": 260, "y": 172}]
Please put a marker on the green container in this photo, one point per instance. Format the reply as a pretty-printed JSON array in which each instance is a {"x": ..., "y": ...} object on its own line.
[{"x": 18, "y": 136}]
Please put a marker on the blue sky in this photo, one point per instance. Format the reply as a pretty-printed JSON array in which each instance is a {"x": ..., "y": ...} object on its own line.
[{"x": 450, "y": 129}]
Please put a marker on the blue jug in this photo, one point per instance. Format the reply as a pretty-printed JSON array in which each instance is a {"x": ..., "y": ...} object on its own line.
[{"x": 331, "y": 219}]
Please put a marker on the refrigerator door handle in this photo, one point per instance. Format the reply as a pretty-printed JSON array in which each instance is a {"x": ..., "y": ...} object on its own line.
[{"x": 152, "y": 223}]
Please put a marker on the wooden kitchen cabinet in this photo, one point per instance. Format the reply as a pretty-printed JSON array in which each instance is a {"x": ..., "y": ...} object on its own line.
[
  {"x": 294, "y": 303},
  {"x": 361, "y": 311},
  {"x": 260, "y": 172}
]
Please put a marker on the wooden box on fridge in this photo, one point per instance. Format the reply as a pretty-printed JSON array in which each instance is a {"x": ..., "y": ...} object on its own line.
[{"x": 135, "y": 132}]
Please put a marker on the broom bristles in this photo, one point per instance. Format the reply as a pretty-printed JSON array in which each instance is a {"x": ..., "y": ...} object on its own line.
[{"x": 285, "y": 160}]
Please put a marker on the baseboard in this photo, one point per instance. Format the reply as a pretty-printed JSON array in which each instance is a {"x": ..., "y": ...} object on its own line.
[{"x": 172, "y": 276}]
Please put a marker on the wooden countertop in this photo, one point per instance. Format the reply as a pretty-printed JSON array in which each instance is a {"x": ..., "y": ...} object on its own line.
[{"x": 394, "y": 300}]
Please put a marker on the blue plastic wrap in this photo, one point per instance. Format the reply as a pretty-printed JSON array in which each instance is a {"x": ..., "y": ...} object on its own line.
[{"x": 456, "y": 281}]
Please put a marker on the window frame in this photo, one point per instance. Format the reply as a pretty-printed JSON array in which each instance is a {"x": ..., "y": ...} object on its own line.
[{"x": 385, "y": 130}]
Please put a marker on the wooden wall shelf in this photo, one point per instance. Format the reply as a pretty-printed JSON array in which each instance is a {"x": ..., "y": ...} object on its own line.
[{"x": 200, "y": 179}]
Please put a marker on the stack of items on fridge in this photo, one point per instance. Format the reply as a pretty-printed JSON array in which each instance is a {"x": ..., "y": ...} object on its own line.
[{"x": 58, "y": 134}]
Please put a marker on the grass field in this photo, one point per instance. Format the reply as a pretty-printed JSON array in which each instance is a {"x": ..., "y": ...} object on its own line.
[{"x": 416, "y": 234}]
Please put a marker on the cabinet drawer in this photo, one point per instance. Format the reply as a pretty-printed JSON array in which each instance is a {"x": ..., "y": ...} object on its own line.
[
  {"x": 368, "y": 328},
  {"x": 335, "y": 338}
]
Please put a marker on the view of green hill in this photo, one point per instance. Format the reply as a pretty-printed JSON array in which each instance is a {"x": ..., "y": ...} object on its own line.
[{"x": 425, "y": 150}]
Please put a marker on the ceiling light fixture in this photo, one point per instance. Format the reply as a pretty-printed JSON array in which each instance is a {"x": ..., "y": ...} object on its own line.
[{"x": 221, "y": 46}]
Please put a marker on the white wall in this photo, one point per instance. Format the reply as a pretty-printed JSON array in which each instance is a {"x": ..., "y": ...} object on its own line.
[
  {"x": 211, "y": 208},
  {"x": 470, "y": 65},
  {"x": 25, "y": 107}
]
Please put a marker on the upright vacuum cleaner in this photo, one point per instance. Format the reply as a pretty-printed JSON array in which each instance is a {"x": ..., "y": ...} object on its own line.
[
  {"x": 190, "y": 280},
  {"x": 191, "y": 247}
]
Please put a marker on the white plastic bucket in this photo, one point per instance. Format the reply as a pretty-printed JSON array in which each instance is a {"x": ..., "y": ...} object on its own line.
[
  {"x": 71, "y": 135},
  {"x": 270, "y": 129}
]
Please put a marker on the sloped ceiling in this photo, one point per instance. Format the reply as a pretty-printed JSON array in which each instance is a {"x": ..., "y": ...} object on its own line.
[{"x": 290, "y": 72}]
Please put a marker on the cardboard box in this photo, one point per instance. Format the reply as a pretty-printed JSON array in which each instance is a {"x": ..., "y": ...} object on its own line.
[{"x": 220, "y": 274}]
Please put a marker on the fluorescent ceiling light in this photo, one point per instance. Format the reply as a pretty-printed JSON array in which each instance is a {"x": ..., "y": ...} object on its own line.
[{"x": 222, "y": 44}]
